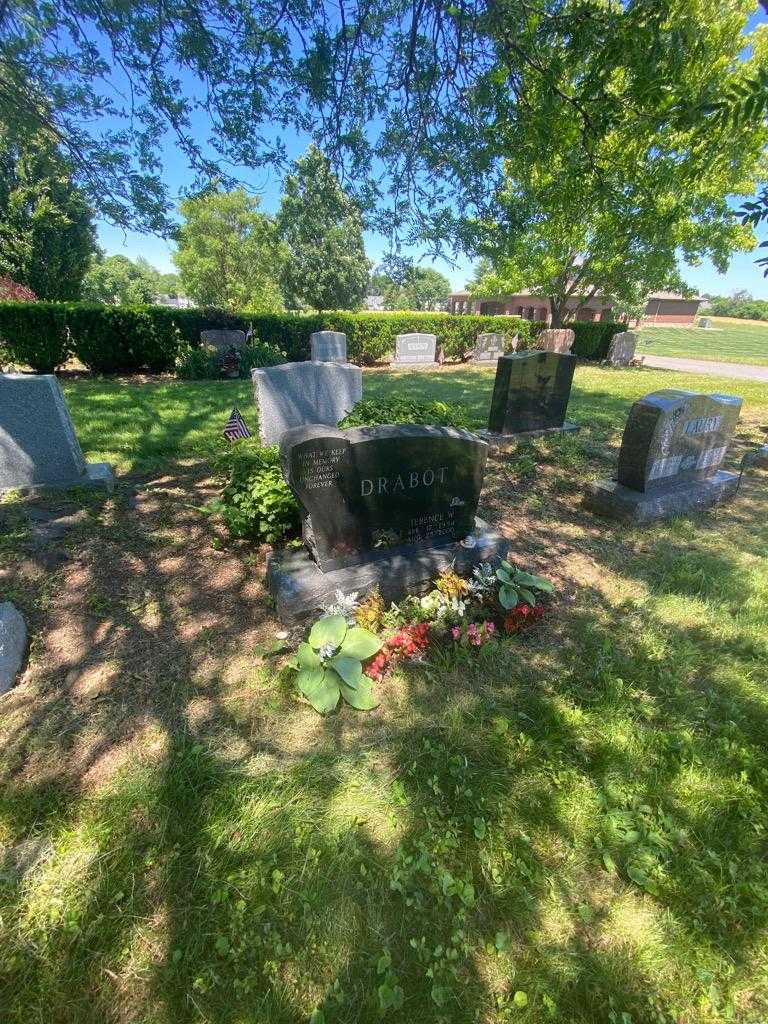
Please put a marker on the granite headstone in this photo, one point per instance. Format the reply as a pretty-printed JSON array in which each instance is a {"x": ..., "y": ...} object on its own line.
[
  {"x": 13, "y": 644},
  {"x": 621, "y": 351},
  {"x": 555, "y": 339},
  {"x": 490, "y": 347},
  {"x": 388, "y": 506},
  {"x": 415, "y": 349},
  {"x": 363, "y": 489},
  {"x": 705, "y": 322},
  {"x": 295, "y": 394},
  {"x": 38, "y": 445},
  {"x": 223, "y": 340},
  {"x": 671, "y": 452},
  {"x": 531, "y": 392},
  {"x": 328, "y": 346}
]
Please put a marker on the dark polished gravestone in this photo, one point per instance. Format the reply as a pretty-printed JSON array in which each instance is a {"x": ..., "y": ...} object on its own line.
[
  {"x": 388, "y": 505},
  {"x": 669, "y": 463},
  {"x": 530, "y": 395}
]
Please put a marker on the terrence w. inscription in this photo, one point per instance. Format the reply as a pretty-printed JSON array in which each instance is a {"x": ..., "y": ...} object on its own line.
[{"x": 372, "y": 488}]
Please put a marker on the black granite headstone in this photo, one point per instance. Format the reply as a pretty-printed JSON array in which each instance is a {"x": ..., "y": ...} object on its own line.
[
  {"x": 672, "y": 436},
  {"x": 531, "y": 392},
  {"x": 367, "y": 489},
  {"x": 673, "y": 447}
]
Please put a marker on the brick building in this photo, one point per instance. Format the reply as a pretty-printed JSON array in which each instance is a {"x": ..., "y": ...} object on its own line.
[{"x": 661, "y": 308}]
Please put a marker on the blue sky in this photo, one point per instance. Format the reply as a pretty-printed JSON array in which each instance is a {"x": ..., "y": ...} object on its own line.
[{"x": 742, "y": 273}]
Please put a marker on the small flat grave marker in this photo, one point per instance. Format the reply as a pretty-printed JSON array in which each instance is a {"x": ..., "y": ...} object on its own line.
[{"x": 673, "y": 447}]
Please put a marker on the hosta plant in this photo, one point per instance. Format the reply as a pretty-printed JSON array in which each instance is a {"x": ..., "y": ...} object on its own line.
[
  {"x": 330, "y": 665},
  {"x": 516, "y": 586}
]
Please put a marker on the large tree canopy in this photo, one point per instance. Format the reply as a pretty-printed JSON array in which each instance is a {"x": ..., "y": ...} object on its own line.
[
  {"x": 570, "y": 220},
  {"x": 415, "y": 102},
  {"x": 228, "y": 252},
  {"x": 326, "y": 266},
  {"x": 47, "y": 237}
]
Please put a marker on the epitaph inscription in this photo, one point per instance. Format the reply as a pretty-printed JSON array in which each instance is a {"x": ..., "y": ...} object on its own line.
[
  {"x": 415, "y": 348},
  {"x": 672, "y": 436},
  {"x": 531, "y": 392},
  {"x": 365, "y": 490},
  {"x": 328, "y": 346}
]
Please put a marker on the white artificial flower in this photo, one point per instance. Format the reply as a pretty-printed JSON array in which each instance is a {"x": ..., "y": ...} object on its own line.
[{"x": 344, "y": 605}]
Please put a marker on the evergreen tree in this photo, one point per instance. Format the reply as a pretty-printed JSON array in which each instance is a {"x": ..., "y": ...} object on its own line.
[{"x": 321, "y": 226}]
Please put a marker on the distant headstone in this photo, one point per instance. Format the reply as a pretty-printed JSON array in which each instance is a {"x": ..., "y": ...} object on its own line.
[
  {"x": 531, "y": 392},
  {"x": 761, "y": 457},
  {"x": 415, "y": 349},
  {"x": 669, "y": 463},
  {"x": 38, "y": 445},
  {"x": 296, "y": 394},
  {"x": 490, "y": 347},
  {"x": 328, "y": 346},
  {"x": 13, "y": 644},
  {"x": 558, "y": 339},
  {"x": 388, "y": 505},
  {"x": 622, "y": 349},
  {"x": 705, "y": 322},
  {"x": 223, "y": 340}
]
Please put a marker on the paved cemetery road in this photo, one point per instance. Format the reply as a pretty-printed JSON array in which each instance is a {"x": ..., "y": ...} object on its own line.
[{"x": 743, "y": 371}]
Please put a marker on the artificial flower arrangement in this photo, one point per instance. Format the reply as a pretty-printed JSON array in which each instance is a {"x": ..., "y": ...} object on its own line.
[{"x": 358, "y": 640}]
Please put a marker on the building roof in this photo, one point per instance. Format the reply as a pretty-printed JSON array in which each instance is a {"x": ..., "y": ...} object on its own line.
[{"x": 526, "y": 291}]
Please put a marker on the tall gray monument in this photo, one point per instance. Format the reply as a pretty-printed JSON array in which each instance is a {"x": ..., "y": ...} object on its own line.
[
  {"x": 297, "y": 394},
  {"x": 328, "y": 346},
  {"x": 38, "y": 445}
]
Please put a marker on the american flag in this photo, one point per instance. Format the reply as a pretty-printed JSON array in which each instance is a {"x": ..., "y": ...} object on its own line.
[{"x": 236, "y": 430}]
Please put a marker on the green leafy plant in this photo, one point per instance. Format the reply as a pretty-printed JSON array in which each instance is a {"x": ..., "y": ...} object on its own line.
[
  {"x": 257, "y": 503},
  {"x": 330, "y": 665},
  {"x": 372, "y": 413},
  {"x": 516, "y": 586}
]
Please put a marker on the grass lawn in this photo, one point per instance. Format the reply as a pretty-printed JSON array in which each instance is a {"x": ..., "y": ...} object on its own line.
[
  {"x": 728, "y": 341},
  {"x": 569, "y": 826}
]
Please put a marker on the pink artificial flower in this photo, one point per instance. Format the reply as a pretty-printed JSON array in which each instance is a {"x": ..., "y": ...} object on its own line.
[{"x": 455, "y": 632}]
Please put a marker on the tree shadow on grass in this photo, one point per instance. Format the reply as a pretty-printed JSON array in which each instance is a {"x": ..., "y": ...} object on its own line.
[{"x": 214, "y": 861}]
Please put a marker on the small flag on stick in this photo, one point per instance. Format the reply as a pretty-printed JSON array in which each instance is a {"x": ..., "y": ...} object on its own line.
[{"x": 236, "y": 430}]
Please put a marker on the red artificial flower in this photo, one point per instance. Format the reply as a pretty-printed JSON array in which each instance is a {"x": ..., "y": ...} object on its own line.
[{"x": 407, "y": 642}]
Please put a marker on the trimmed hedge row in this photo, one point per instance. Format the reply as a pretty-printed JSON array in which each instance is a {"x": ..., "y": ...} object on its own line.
[{"x": 125, "y": 339}]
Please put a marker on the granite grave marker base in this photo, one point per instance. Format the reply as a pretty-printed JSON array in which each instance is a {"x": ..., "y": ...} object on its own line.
[
  {"x": 301, "y": 590},
  {"x": 99, "y": 476},
  {"x": 761, "y": 458},
  {"x": 613, "y": 500},
  {"x": 504, "y": 441}
]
